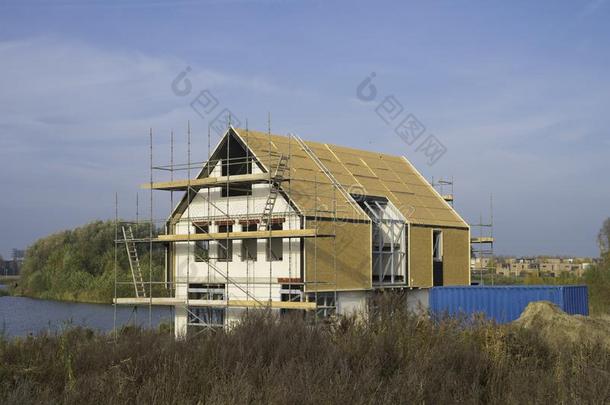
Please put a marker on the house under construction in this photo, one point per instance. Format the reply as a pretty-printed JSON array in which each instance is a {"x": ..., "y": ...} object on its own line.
[{"x": 276, "y": 222}]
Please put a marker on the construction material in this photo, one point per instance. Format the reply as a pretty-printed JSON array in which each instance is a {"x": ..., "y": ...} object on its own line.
[
  {"x": 358, "y": 172},
  {"x": 308, "y": 306},
  {"x": 505, "y": 303},
  {"x": 182, "y": 185},
  {"x": 289, "y": 233},
  {"x": 482, "y": 239}
]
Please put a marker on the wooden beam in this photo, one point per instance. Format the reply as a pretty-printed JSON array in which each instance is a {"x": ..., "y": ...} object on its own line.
[
  {"x": 483, "y": 239},
  {"x": 217, "y": 303},
  {"x": 207, "y": 182},
  {"x": 147, "y": 301},
  {"x": 288, "y": 233}
]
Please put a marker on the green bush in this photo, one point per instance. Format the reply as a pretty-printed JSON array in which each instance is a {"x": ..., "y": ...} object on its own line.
[
  {"x": 598, "y": 281},
  {"x": 78, "y": 264}
]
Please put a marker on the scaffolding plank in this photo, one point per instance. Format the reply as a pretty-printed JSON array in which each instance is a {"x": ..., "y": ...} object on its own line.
[
  {"x": 147, "y": 301},
  {"x": 288, "y": 233},
  {"x": 483, "y": 239},
  {"x": 162, "y": 301},
  {"x": 205, "y": 182}
]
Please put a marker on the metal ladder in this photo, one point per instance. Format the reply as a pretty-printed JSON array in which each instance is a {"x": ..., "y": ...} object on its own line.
[
  {"x": 327, "y": 172},
  {"x": 276, "y": 182},
  {"x": 134, "y": 261}
]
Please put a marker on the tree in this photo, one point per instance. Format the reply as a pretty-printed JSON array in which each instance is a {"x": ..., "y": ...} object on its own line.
[{"x": 603, "y": 238}]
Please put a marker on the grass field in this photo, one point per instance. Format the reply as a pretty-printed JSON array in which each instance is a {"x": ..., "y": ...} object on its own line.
[{"x": 394, "y": 357}]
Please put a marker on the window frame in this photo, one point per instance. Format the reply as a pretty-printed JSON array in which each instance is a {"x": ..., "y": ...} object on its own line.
[
  {"x": 228, "y": 251},
  {"x": 203, "y": 245},
  {"x": 437, "y": 245},
  {"x": 246, "y": 254},
  {"x": 271, "y": 242}
]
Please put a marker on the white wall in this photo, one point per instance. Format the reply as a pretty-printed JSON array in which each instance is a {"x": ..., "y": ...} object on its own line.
[
  {"x": 256, "y": 279},
  {"x": 352, "y": 302},
  {"x": 418, "y": 300},
  {"x": 247, "y": 272}
]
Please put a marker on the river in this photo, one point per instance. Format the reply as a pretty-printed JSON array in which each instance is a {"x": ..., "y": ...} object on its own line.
[{"x": 20, "y": 316}]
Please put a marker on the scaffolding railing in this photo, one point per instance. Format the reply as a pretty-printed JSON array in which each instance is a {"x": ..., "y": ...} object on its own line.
[{"x": 482, "y": 246}]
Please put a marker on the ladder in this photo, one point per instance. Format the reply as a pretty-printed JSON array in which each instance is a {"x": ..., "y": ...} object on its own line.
[
  {"x": 327, "y": 172},
  {"x": 134, "y": 261},
  {"x": 276, "y": 182}
]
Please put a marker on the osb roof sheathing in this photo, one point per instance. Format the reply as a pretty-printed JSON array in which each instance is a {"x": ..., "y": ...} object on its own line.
[{"x": 359, "y": 172}]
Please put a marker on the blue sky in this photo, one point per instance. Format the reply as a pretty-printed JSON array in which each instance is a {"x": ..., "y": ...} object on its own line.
[{"x": 517, "y": 92}]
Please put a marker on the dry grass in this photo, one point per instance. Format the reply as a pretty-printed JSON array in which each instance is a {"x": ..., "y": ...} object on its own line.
[
  {"x": 394, "y": 357},
  {"x": 557, "y": 327}
]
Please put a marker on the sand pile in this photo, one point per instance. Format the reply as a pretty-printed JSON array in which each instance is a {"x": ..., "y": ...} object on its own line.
[{"x": 558, "y": 327}]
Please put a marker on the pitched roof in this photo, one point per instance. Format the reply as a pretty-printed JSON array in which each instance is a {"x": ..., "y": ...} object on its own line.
[{"x": 359, "y": 172}]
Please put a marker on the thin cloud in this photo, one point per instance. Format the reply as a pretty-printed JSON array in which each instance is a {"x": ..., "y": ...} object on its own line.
[{"x": 592, "y": 7}]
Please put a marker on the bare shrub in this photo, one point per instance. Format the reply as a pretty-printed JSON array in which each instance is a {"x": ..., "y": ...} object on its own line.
[{"x": 392, "y": 356}]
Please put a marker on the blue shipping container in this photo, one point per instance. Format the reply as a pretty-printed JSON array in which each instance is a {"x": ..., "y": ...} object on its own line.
[{"x": 506, "y": 303}]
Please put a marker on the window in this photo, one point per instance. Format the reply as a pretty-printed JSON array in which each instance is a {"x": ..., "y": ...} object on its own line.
[
  {"x": 249, "y": 246},
  {"x": 325, "y": 302},
  {"x": 202, "y": 247},
  {"x": 225, "y": 246},
  {"x": 291, "y": 293},
  {"x": 236, "y": 166},
  {"x": 389, "y": 239},
  {"x": 235, "y": 190},
  {"x": 206, "y": 291},
  {"x": 275, "y": 246},
  {"x": 437, "y": 258},
  {"x": 206, "y": 316},
  {"x": 437, "y": 250}
]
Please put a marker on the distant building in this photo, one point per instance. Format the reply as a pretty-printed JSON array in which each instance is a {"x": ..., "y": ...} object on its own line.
[
  {"x": 544, "y": 266},
  {"x": 12, "y": 267}
]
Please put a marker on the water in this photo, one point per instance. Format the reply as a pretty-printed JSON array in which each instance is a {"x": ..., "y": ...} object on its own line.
[{"x": 20, "y": 316}]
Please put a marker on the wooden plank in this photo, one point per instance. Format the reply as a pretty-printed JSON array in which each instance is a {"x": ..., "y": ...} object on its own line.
[
  {"x": 147, "y": 301},
  {"x": 294, "y": 233},
  {"x": 483, "y": 239},
  {"x": 217, "y": 303},
  {"x": 264, "y": 304},
  {"x": 207, "y": 182}
]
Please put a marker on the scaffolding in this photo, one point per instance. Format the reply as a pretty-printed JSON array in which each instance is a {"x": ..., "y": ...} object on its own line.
[
  {"x": 482, "y": 247},
  {"x": 444, "y": 186},
  {"x": 204, "y": 298},
  {"x": 482, "y": 235}
]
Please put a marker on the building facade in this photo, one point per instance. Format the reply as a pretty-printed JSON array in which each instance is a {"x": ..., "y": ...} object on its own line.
[{"x": 277, "y": 222}]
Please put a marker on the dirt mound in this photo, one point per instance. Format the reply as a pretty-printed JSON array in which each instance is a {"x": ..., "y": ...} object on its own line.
[{"x": 558, "y": 327}]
